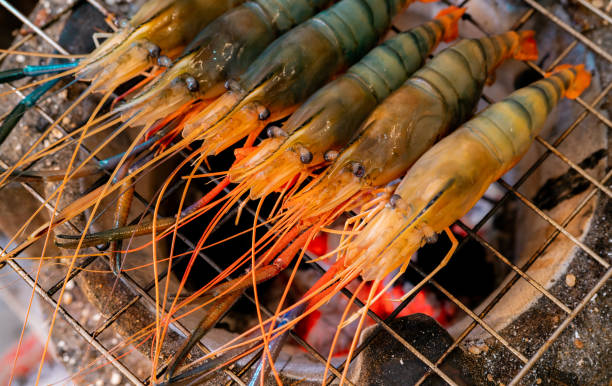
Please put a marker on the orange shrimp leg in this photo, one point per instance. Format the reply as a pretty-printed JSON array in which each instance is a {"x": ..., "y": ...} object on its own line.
[
  {"x": 129, "y": 231},
  {"x": 321, "y": 286},
  {"x": 122, "y": 233},
  {"x": 443, "y": 263},
  {"x": 228, "y": 292}
]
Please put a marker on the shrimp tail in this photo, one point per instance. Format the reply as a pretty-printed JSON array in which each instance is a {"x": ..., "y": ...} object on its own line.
[
  {"x": 34, "y": 71},
  {"x": 450, "y": 17},
  {"x": 581, "y": 81},
  {"x": 527, "y": 48}
]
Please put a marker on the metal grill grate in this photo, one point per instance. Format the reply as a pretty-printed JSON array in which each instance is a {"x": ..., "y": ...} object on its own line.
[{"x": 588, "y": 108}]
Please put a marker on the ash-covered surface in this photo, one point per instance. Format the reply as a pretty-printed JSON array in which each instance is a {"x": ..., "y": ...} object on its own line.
[{"x": 582, "y": 354}]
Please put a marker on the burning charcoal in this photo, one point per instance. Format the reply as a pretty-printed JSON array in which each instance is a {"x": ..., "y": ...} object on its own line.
[{"x": 386, "y": 361}]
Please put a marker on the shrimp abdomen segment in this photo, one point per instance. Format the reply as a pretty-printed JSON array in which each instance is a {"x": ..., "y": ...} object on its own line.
[
  {"x": 385, "y": 68},
  {"x": 508, "y": 127},
  {"x": 284, "y": 14}
]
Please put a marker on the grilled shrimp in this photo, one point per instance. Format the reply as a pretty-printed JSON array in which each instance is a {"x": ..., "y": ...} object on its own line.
[
  {"x": 291, "y": 69},
  {"x": 452, "y": 176},
  {"x": 412, "y": 119},
  {"x": 221, "y": 51},
  {"x": 325, "y": 123},
  {"x": 167, "y": 32},
  {"x": 145, "y": 13},
  {"x": 159, "y": 27}
]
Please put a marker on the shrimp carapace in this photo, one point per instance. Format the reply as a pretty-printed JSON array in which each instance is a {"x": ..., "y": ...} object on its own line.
[
  {"x": 426, "y": 108},
  {"x": 222, "y": 50},
  {"x": 291, "y": 69},
  {"x": 451, "y": 177},
  {"x": 325, "y": 123}
]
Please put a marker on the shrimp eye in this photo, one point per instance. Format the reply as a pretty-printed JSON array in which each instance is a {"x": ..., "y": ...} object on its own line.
[
  {"x": 275, "y": 131},
  {"x": 264, "y": 113},
  {"x": 164, "y": 61},
  {"x": 330, "y": 155},
  {"x": 232, "y": 85},
  {"x": 305, "y": 154},
  {"x": 154, "y": 50},
  {"x": 358, "y": 169},
  {"x": 192, "y": 84},
  {"x": 394, "y": 200}
]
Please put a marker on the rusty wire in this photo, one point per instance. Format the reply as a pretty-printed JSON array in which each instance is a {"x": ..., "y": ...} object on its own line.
[{"x": 599, "y": 186}]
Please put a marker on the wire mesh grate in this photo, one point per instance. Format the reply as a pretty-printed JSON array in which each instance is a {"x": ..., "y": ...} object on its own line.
[{"x": 592, "y": 108}]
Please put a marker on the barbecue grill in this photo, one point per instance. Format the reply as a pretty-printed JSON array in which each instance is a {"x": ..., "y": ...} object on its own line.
[{"x": 550, "y": 309}]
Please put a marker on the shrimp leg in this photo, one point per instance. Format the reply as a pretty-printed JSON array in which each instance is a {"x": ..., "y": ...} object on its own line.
[
  {"x": 222, "y": 297},
  {"x": 124, "y": 203},
  {"x": 214, "y": 312}
]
